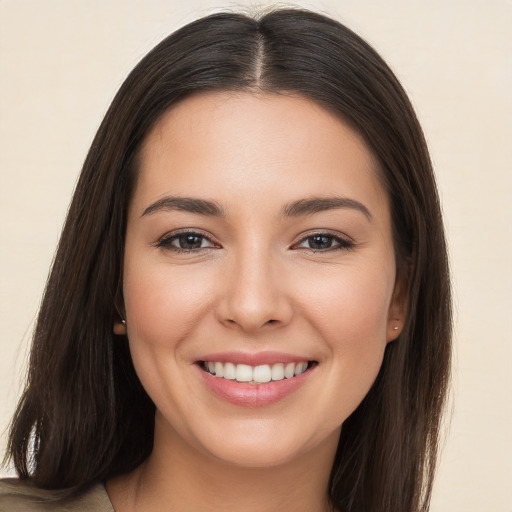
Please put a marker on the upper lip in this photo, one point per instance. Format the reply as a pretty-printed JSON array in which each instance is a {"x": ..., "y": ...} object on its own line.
[{"x": 255, "y": 358}]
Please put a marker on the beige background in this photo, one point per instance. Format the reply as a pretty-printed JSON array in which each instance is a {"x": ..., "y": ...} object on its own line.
[{"x": 61, "y": 62}]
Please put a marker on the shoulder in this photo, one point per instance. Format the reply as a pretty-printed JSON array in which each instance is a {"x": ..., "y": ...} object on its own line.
[{"x": 21, "y": 496}]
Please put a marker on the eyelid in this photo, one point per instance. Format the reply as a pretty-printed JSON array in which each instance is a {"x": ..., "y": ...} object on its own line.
[
  {"x": 345, "y": 242},
  {"x": 165, "y": 240}
]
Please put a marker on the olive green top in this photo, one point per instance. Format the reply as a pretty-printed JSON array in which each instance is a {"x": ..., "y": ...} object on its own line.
[{"x": 20, "y": 496}]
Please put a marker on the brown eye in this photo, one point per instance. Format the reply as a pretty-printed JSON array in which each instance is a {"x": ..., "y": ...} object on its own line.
[
  {"x": 324, "y": 242},
  {"x": 320, "y": 242},
  {"x": 185, "y": 242},
  {"x": 188, "y": 241}
]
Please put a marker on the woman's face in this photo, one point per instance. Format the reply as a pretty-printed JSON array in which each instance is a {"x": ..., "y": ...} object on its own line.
[{"x": 258, "y": 245}]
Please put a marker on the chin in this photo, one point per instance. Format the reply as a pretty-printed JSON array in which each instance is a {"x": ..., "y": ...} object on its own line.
[
  {"x": 247, "y": 455},
  {"x": 260, "y": 445}
]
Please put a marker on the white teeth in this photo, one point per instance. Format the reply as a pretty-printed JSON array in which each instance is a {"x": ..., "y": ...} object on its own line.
[
  {"x": 255, "y": 374},
  {"x": 278, "y": 371},
  {"x": 289, "y": 370},
  {"x": 229, "y": 371},
  {"x": 262, "y": 373},
  {"x": 300, "y": 368},
  {"x": 243, "y": 373},
  {"x": 219, "y": 369}
]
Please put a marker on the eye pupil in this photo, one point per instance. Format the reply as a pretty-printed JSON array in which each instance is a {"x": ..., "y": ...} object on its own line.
[
  {"x": 320, "y": 242},
  {"x": 190, "y": 241}
]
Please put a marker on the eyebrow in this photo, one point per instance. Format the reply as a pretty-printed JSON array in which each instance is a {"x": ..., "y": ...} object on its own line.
[
  {"x": 307, "y": 206},
  {"x": 186, "y": 204},
  {"x": 319, "y": 204}
]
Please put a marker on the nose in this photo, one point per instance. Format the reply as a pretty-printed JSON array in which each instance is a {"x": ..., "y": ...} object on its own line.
[{"x": 254, "y": 295}]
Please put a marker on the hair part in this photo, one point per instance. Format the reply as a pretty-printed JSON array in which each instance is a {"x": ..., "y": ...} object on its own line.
[{"x": 84, "y": 408}]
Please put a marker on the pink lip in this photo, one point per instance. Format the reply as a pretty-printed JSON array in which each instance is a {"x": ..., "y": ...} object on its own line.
[
  {"x": 252, "y": 395},
  {"x": 254, "y": 359}
]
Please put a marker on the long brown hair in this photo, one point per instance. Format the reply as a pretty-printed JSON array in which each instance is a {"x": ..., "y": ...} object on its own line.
[{"x": 84, "y": 415}]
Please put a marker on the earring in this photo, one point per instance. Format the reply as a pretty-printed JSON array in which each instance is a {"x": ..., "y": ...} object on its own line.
[{"x": 120, "y": 328}]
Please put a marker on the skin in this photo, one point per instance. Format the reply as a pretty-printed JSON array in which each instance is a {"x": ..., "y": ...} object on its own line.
[{"x": 255, "y": 285}]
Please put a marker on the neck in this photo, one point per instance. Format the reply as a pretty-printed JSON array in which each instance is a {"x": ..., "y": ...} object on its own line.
[{"x": 179, "y": 478}]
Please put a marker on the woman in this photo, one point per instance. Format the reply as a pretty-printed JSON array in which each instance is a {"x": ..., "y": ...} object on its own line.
[{"x": 250, "y": 302}]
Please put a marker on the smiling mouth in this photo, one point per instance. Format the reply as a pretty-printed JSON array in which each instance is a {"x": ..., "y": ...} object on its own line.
[{"x": 260, "y": 374}]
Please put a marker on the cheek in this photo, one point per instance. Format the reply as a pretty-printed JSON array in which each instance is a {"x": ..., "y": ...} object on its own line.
[
  {"x": 162, "y": 303},
  {"x": 353, "y": 326},
  {"x": 163, "y": 310},
  {"x": 349, "y": 308},
  {"x": 355, "y": 301}
]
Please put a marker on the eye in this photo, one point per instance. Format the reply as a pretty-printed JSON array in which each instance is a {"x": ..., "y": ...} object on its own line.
[
  {"x": 185, "y": 241},
  {"x": 324, "y": 242}
]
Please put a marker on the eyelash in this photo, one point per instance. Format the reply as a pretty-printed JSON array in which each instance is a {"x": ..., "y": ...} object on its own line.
[
  {"x": 166, "y": 242},
  {"x": 342, "y": 242}
]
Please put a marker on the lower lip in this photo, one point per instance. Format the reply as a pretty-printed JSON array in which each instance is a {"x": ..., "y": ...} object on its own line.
[{"x": 253, "y": 395}]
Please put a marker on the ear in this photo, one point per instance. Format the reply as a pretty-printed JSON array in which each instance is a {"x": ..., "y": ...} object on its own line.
[
  {"x": 120, "y": 325},
  {"x": 397, "y": 313},
  {"x": 120, "y": 328}
]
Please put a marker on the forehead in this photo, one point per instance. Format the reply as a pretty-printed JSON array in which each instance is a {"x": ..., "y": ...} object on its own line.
[{"x": 245, "y": 147}]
